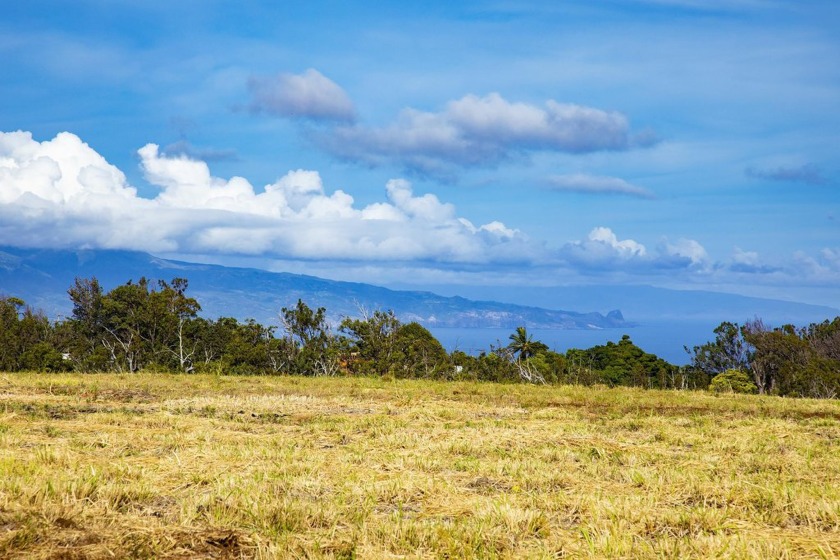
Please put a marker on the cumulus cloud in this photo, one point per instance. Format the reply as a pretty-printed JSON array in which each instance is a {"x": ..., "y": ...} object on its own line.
[
  {"x": 603, "y": 251},
  {"x": 310, "y": 95},
  {"x": 809, "y": 174},
  {"x": 685, "y": 252},
  {"x": 594, "y": 184},
  {"x": 62, "y": 193},
  {"x": 749, "y": 262},
  {"x": 476, "y": 131}
]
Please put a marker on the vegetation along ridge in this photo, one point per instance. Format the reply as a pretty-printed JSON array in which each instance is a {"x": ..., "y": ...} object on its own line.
[{"x": 149, "y": 326}]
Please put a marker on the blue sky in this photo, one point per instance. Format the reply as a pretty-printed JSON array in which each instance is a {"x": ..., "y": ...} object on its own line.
[{"x": 677, "y": 143}]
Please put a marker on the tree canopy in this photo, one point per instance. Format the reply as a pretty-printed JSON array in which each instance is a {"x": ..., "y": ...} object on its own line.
[{"x": 155, "y": 325}]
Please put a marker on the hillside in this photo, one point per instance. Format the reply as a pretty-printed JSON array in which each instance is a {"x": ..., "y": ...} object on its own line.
[{"x": 41, "y": 277}]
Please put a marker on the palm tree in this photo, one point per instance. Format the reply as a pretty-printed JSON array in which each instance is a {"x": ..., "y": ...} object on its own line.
[{"x": 522, "y": 344}]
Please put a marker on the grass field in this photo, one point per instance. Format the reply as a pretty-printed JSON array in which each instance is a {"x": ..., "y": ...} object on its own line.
[{"x": 163, "y": 466}]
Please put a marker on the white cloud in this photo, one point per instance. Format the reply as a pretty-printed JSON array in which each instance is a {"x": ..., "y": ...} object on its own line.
[
  {"x": 626, "y": 248},
  {"x": 602, "y": 249},
  {"x": 61, "y": 193},
  {"x": 310, "y": 95},
  {"x": 582, "y": 183},
  {"x": 603, "y": 252},
  {"x": 746, "y": 258},
  {"x": 474, "y": 131},
  {"x": 685, "y": 251},
  {"x": 749, "y": 262},
  {"x": 185, "y": 148}
]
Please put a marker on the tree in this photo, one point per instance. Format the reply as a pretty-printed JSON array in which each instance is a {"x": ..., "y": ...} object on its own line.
[
  {"x": 621, "y": 364},
  {"x": 313, "y": 345},
  {"x": 824, "y": 339},
  {"x": 372, "y": 341},
  {"x": 26, "y": 339},
  {"x": 523, "y": 346},
  {"x": 776, "y": 355},
  {"x": 733, "y": 381},
  {"x": 418, "y": 352},
  {"x": 728, "y": 351},
  {"x": 174, "y": 312},
  {"x": 129, "y": 336},
  {"x": 10, "y": 335},
  {"x": 83, "y": 339}
]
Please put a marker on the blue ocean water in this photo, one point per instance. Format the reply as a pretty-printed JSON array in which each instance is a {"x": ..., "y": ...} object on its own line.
[{"x": 666, "y": 340}]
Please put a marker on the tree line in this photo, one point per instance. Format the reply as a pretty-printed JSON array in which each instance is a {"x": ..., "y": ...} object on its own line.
[{"x": 155, "y": 326}]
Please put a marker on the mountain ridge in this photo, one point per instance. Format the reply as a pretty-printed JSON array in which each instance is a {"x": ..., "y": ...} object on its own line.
[{"x": 42, "y": 276}]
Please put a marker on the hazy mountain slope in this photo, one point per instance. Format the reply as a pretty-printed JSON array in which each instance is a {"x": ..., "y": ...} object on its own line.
[
  {"x": 41, "y": 277},
  {"x": 647, "y": 304}
]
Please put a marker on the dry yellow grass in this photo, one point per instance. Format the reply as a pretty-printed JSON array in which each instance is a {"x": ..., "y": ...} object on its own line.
[{"x": 161, "y": 466}]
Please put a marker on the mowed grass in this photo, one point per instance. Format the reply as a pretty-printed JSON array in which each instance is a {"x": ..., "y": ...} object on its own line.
[{"x": 166, "y": 466}]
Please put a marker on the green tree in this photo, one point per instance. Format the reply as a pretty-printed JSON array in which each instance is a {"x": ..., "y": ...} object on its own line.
[
  {"x": 523, "y": 344},
  {"x": 775, "y": 357},
  {"x": 733, "y": 381},
  {"x": 372, "y": 341},
  {"x": 83, "y": 339},
  {"x": 11, "y": 342},
  {"x": 172, "y": 329},
  {"x": 523, "y": 347},
  {"x": 623, "y": 363},
  {"x": 729, "y": 350},
  {"x": 314, "y": 348},
  {"x": 418, "y": 353}
]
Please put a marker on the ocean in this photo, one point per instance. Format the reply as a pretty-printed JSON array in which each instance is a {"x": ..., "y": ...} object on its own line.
[{"x": 666, "y": 340}]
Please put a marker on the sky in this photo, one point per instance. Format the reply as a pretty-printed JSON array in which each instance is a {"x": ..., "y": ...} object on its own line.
[{"x": 676, "y": 143}]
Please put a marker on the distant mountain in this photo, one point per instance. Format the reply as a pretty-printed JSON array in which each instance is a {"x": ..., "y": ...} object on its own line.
[
  {"x": 650, "y": 305},
  {"x": 42, "y": 277}
]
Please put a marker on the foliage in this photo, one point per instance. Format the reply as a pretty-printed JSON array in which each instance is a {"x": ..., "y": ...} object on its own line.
[
  {"x": 372, "y": 341},
  {"x": 782, "y": 360},
  {"x": 155, "y": 326},
  {"x": 733, "y": 381},
  {"x": 310, "y": 347},
  {"x": 622, "y": 364},
  {"x": 134, "y": 326},
  {"x": 728, "y": 351},
  {"x": 418, "y": 354},
  {"x": 26, "y": 339}
]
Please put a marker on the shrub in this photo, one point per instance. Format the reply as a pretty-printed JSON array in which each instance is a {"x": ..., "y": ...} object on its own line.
[{"x": 733, "y": 381}]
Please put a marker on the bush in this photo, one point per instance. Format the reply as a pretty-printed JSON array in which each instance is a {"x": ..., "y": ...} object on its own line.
[{"x": 733, "y": 381}]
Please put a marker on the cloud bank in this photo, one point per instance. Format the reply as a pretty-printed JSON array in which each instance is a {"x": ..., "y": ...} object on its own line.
[
  {"x": 602, "y": 250},
  {"x": 480, "y": 131},
  {"x": 62, "y": 193},
  {"x": 472, "y": 131}
]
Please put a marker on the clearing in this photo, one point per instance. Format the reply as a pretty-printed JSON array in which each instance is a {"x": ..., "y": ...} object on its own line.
[{"x": 177, "y": 466}]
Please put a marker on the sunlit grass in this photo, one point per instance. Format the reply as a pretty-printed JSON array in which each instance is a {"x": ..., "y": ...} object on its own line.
[{"x": 151, "y": 466}]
